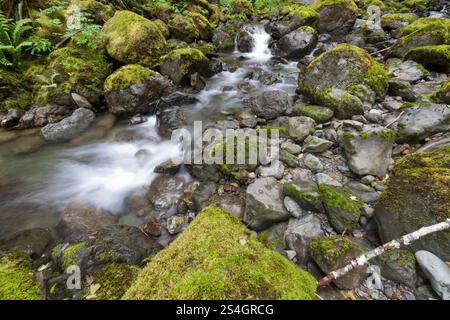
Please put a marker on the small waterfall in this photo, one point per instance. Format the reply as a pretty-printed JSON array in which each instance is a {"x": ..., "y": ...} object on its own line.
[{"x": 261, "y": 52}]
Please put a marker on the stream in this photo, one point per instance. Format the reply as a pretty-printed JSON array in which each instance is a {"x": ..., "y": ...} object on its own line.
[{"x": 103, "y": 169}]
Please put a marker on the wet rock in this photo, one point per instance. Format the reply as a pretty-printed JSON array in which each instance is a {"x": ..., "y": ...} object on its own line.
[
  {"x": 69, "y": 127},
  {"x": 414, "y": 197},
  {"x": 314, "y": 144},
  {"x": 40, "y": 116},
  {"x": 369, "y": 151},
  {"x": 175, "y": 224},
  {"x": 264, "y": 204},
  {"x": 343, "y": 104},
  {"x": 78, "y": 221},
  {"x": 422, "y": 120},
  {"x": 247, "y": 118},
  {"x": 132, "y": 88},
  {"x": 165, "y": 191},
  {"x": 317, "y": 113},
  {"x": 80, "y": 101},
  {"x": 231, "y": 203},
  {"x": 398, "y": 265},
  {"x": 409, "y": 71},
  {"x": 366, "y": 193},
  {"x": 289, "y": 159},
  {"x": 152, "y": 227},
  {"x": 270, "y": 104},
  {"x": 32, "y": 242},
  {"x": 245, "y": 41},
  {"x": 402, "y": 89},
  {"x": 180, "y": 64},
  {"x": 297, "y": 43},
  {"x": 343, "y": 208},
  {"x": 334, "y": 252},
  {"x": 301, "y": 127},
  {"x": 11, "y": 119},
  {"x": 436, "y": 271},
  {"x": 170, "y": 119},
  {"x": 168, "y": 167},
  {"x": 291, "y": 147},
  {"x": 203, "y": 194},
  {"x": 223, "y": 39},
  {"x": 322, "y": 178},
  {"x": 313, "y": 163}
]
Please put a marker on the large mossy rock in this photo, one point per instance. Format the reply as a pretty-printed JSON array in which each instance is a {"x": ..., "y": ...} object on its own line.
[
  {"x": 73, "y": 70},
  {"x": 17, "y": 278},
  {"x": 180, "y": 64},
  {"x": 132, "y": 88},
  {"x": 417, "y": 195},
  {"x": 335, "y": 16},
  {"x": 131, "y": 38},
  {"x": 345, "y": 67},
  {"x": 216, "y": 257},
  {"x": 422, "y": 32},
  {"x": 12, "y": 93},
  {"x": 434, "y": 57}
]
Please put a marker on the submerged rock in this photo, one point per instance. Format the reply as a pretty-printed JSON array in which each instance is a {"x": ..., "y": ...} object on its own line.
[{"x": 186, "y": 269}]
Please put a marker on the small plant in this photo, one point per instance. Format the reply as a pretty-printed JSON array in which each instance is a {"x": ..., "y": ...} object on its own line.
[
  {"x": 83, "y": 31},
  {"x": 15, "y": 41}
]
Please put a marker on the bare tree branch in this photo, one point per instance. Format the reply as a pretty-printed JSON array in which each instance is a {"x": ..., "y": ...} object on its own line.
[{"x": 394, "y": 244}]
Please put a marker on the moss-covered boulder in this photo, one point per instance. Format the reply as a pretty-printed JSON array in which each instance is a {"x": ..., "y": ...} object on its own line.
[
  {"x": 131, "y": 38},
  {"x": 398, "y": 265},
  {"x": 216, "y": 257},
  {"x": 434, "y": 57},
  {"x": 391, "y": 21},
  {"x": 131, "y": 89},
  {"x": 13, "y": 95},
  {"x": 244, "y": 7},
  {"x": 343, "y": 104},
  {"x": 345, "y": 67},
  {"x": 317, "y": 113},
  {"x": 160, "y": 10},
  {"x": 183, "y": 28},
  {"x": 180, "y": 64},
  {"x": 343, "y": 208},
  {"x": 17, "y": 278},
  {"x": 335, "y": 16},
  {"x": 114, "y": 280},
  {"x": 334, "y": 252},
  {"x": 417, "y": 196},
  {"x": 443, "y": 94},
  {"x": 73, "y": 69},
  {"x": 422, "y": 32}
]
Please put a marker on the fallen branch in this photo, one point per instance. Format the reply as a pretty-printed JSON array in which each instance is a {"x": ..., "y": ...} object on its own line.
[
  {"x": 394, "y": 244},
  {"x": 395, "y": 120}
]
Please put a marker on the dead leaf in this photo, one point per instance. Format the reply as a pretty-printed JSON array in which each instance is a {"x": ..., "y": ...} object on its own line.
[
  {"x": 243, "y": 239},
  {"x": 92, "y": 290}
]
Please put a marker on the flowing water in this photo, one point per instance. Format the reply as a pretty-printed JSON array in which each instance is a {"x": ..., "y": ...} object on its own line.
[{"x": 104, "y": 171}]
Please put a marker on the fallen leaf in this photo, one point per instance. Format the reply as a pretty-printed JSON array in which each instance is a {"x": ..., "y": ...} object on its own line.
[{"x": 243, "y": 239}]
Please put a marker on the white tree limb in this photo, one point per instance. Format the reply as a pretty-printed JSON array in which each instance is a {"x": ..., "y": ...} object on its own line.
[{"x": 394, "y": 244}]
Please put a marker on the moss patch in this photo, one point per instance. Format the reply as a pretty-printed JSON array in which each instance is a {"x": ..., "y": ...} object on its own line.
[
  {"x": 114, "y": 280},
  {"x": 216, "y": 257},
  {"x": 17, "y": 278},
  {"x": 127, "y": 76}
]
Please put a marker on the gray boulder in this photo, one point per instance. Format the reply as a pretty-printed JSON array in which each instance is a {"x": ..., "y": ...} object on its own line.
[
  {"x": 298, "y": 43},
  {"x": 270, "y": 104},
  {"x": 264, "y": 204},
  {"x": 436, "y": 271},
  {"x": 70, "y": 127},
  {"x": 301, "y": 127}
]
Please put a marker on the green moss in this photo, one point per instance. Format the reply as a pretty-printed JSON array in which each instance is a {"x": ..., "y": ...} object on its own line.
[
  {"x": 419, "y": 5},
  {"x": 306, "y": 14},
  {"x": 332, "y": 247},
  {"x": 184, "y": 28},
  {"x": 99, "y": 11},
  {"x": 443, "y": 94},
  {"x": 114, "y": 280},
  {"x": 431, "y": 56},
  {"x": 216, "y": 257},
  {"x": 390, "y": 18},
  {"x": 364, "y": 4},
  {"x": 340, "y": 199},
  {"x": 13, "y": 93},
  {"x": 17, "y": 278},
  {"x": 319, "y": 114},
  {"x": 69, "y": 255},
  {"x": 127, "y": 76},
  {"x": 348, "y": 4},
  {"x": 431, "y": 25},
  {"x": 131, "y": 38},
  {"x": 73, "y": 69},
  {"x": 291, "y": 190}
]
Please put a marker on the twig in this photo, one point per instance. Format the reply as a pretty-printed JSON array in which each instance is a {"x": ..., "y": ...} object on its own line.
[
  {"x": 394, "y": 244},
  {"x": 395, "y": 120},
  {"x": 382, "y": 50}
]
